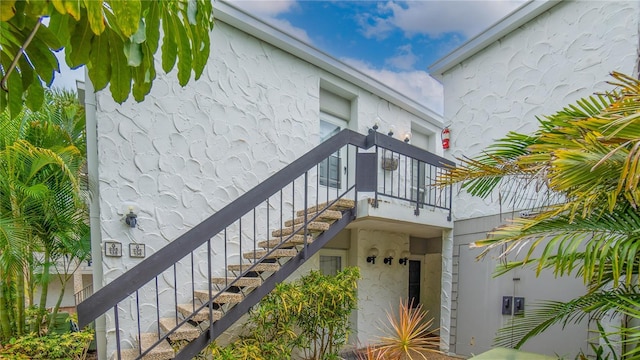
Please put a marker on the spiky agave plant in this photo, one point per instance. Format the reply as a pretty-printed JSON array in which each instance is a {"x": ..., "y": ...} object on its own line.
[{"x": 408, "y": 335}]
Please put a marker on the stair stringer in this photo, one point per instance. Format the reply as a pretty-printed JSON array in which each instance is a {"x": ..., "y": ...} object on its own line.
[{"x": 251, "y": 299}]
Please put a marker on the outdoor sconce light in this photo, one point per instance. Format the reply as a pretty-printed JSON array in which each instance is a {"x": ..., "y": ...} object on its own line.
[
  {"x": 391, "y": 129},
  {"x": 407, "y": 137},
  {"x": 131, "y": 219},
  {"x": 390, "y": 256},
  {"x": 404, "y": 257},
  {"x": 375, "y": 127},
  {"x": 372, "y": 255}
]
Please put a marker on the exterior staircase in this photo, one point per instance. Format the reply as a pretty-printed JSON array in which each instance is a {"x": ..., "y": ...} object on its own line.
[
  {"x": 229, "y": 291},
  {"x": 184, "y": 323}
]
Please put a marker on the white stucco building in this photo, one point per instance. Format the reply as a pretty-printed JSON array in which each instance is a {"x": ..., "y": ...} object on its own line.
[
  {"x": 265, "y": 100},
  {"x": 185, "y": 154}
]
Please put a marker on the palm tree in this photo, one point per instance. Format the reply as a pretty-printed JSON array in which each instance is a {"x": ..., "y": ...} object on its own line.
[
  {"x": 583, "y": 166},
  {"x": 41, "y": 212}
]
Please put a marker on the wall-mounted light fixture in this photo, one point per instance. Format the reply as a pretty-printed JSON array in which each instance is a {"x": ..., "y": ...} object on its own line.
[
  {"x": 375, "y": 127},
  {"x": 391, "y": 130},
  {"x": 372, "y": 255},
  {"x": 407, "y": 137},
  {"x": 404, "y": 257},
  {"x": 390, "y": 255},
  {"x": 131, "y": 219}
]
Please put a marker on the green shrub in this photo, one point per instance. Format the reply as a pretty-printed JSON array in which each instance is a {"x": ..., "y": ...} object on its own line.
[
  {"x": 310, "y": 314},
  {"x": 69, "y": 346}
]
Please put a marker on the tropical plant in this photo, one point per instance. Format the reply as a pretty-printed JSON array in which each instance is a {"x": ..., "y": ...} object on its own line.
[
  {"x": 115, "y": 39},
  {"x": 72, "y": 346},
  {"x": 407, "y": 334},
  {"x": 582, "y": 166},
  {"x": 369, "y": 353},
  {"x": 42, "y": 215},
  {"x": 310, "y": 315}
]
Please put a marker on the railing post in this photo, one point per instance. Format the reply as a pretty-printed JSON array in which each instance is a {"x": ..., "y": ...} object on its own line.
[
  {"x": 306, "y": 212},
  {"x": 375, "y": 194},
  {"x": 450, "y": 202},
  {"x": 416, "y": 212}
]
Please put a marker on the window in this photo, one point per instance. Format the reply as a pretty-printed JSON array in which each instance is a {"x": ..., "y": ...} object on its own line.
[
  {"x": 330, "y": 170},
  {"x": 332, "y": 261},
  {"x": 420, "y": 172}
]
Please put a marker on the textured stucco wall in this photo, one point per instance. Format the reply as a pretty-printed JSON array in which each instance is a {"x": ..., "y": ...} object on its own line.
[
  {"x": 185, "y": 153},
  {"x": 555, "y": 59},
  {"x": 381, "y": 286}
]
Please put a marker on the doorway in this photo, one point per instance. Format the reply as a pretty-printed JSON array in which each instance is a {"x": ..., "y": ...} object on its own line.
[{"x": 415, "y": 277}]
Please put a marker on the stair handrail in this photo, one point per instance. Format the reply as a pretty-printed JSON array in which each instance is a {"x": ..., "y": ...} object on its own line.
[{"x": 126, "y": 284}]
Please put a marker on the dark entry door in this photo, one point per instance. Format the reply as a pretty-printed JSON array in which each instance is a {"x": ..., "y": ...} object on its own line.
[{"x": 414, "y": 282}]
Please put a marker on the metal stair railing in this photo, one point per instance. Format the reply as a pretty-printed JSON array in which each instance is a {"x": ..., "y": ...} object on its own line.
[{"x": 156, "y": 287}]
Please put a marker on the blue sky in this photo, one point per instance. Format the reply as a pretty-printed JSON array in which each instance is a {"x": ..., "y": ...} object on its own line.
[{"x": 392, "y": 41}]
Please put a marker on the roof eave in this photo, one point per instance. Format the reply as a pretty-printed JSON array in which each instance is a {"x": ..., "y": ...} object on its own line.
[{"x": 506, "y": 25}]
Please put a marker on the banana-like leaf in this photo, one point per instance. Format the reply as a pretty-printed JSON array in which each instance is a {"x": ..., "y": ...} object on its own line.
[{"x": 84, "y": 28}]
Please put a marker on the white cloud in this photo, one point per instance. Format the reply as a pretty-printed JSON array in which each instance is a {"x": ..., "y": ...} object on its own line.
[
  {"x": 435, "y": 18},
  {"x": 268, "y": 10},
  {"x": 266, "y": 7},
  {"x": 404, "y": 58},
  {"x": 372, "y": 26},
  {"x": 289, "y": 29},
  {"x": 415, "y": 84}
]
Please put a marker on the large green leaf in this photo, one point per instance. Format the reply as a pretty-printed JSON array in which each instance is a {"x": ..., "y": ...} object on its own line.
[
  {"x": 81, "y": 37},
  {"x": 94, "y": 13},
  {"x": 169, "y": 46},
  {"x": 99, "y": 69},
  {"x": 143, "y": 74},
  {"x": 120, "y": 82},
  {"x": 60, "y": 25},
  {"x": 127, "y": 14},
  {"x": 184, "y": 51},
  {"x": 49, "y": 38},
  {"x": 15, "y": 97},
  {"x": 152, "y": 25},
  {"x": 35, "y": 95},
  {"x": 43, "y": 60}
]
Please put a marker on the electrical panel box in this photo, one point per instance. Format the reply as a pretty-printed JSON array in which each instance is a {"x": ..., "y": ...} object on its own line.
[
  {"x": 507, "y": 305},
  {"x": 518, "y": 306}
]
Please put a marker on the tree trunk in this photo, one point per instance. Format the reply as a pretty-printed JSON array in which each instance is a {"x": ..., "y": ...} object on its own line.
[
  {"x": 63, "y": 281},
  {"x": 20, "y": 299},
  {"x": 5, "y": 322},
  {"x": 44, "y": 292}
]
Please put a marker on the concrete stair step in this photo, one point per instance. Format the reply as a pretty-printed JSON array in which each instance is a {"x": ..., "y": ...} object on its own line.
[
  {"x": 314, "y": 226},
  {"x": 261, "y": 267},
  {"x": 339, "y": 205},
  {"x": 200, "y": 316},
  {"x": 224, "y": 297},
  {"x": 275, "y": 254},
  {"x": 328, "y": 216},
  {"x": 185, "y": 332},
  {"x": 251, "y": 282},
  {"x": 162, "y": 351},
  {"x": 295, "y": 240}
]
